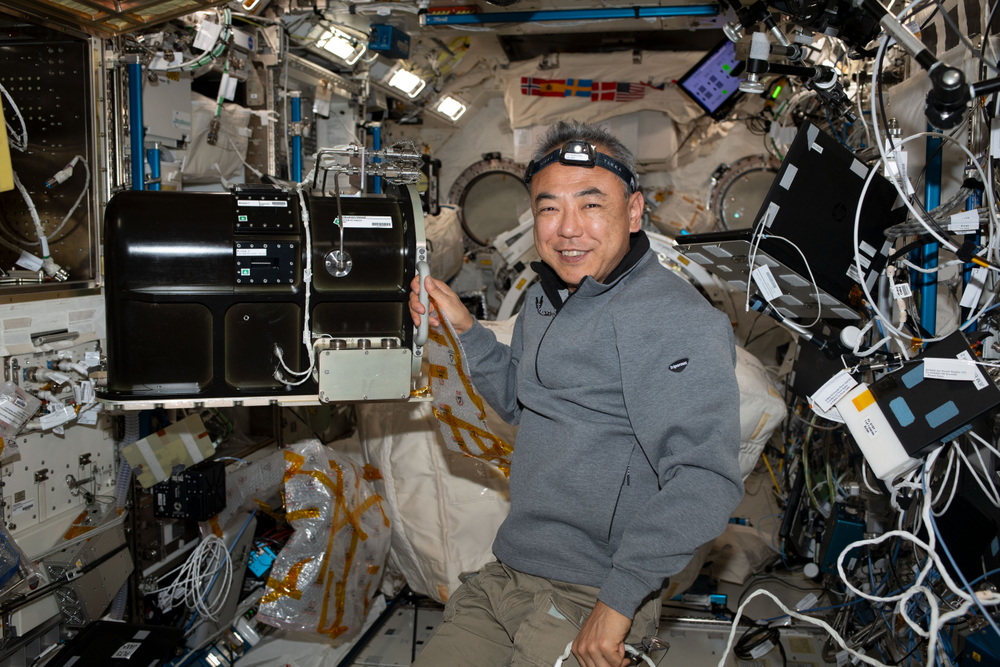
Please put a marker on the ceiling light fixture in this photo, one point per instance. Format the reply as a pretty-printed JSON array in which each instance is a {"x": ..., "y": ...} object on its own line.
[
  {"x": 408, "y": 82},
  {"x": 342, "y": 45},
  {"x": 451, "y": 108}
]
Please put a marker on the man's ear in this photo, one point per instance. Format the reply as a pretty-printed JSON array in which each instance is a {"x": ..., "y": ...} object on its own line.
[{"x": 636, "y": 203}]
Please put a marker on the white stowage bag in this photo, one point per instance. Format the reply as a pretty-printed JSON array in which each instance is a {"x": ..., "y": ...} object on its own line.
[
  {"x": 234, "y": 139},
  {"x": 324, "y": 578},
  {"x": 761, "y": 409},
  {"x": 444, "y": 231},
  {"x": 445, "y": 508}
]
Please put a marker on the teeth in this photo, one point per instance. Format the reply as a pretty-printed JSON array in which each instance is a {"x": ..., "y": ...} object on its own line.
[{"x": 573, "y": 253}]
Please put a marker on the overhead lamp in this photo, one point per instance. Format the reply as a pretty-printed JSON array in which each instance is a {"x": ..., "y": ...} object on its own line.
[
  {"x": 407, "y": 81},
  {"x": 451, "y": 108},
  {"x": 341, "y": 45}
]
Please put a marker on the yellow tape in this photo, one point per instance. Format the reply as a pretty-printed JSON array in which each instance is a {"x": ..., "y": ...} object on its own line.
[
  {"x": 286, "y": 587},
  {"x": 309, "y": 513},
  {"x": 437, "y": 338},
  {"x": 473, "y": 396},
  {"x": 439, "y": 372},
  {"x": 214, "y": 525},
  {"x": 863, "y": 400},
  {"x": 266, "y": 509},
  {"x": 495, "y": 452},
  {"x": 420, "y": 393}
]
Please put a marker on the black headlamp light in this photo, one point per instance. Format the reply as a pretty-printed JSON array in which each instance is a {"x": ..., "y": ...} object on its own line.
[{"x": 579, "y": 153}]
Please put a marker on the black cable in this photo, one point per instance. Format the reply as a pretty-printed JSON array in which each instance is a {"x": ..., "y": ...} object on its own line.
[{"x": 756, "y": 637}]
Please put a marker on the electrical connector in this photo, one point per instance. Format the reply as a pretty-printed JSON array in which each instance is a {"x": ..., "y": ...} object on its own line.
[
  {"x": 62, "y": 175},
  {"x": 213, "y": 131}
]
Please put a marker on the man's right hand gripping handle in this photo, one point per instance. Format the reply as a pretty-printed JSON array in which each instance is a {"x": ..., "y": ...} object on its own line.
[{"x": 444, "y": 299}]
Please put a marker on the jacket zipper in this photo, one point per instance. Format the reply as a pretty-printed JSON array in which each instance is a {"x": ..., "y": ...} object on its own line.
[
  {"x": 538, "y": 350},
  {"x": 625, "y": 482}
]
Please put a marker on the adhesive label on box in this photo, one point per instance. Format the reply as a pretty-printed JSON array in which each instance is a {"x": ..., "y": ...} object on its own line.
[
  {"x": 367, "y": 222},
  {"x": 936, "y": 368},
  {"x": 207, "y": 35},
  {"x": 979, "y": 381},
  {"x": 262, "y": 203},
  {"x": 869, "y": 427},
  {"x": 23, "y": 506},
  {"x": 833, "y": 390},
  {"x": 126, "y": 650},
  {"x": 251, "y": 252}
]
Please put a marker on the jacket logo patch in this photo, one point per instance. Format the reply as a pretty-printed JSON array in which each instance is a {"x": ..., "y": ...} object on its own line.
[
  {"x": 539, "y": 302},
  {"x": 678, "y": 365}
]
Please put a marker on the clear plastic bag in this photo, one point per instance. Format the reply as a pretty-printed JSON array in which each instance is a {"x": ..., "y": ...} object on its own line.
[
  {"x": 458, "y": 408},
  {"x": 324, "y": 578},
  {"x": 16, "y": 408}
]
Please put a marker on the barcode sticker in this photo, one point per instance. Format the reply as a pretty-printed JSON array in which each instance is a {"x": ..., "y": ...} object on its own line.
[
  {"x": 966, "y": 221},
  {"x": 765, "y": 281},
  {"x": 901, "y": 291},
  {"x": 367, "y": 222}
]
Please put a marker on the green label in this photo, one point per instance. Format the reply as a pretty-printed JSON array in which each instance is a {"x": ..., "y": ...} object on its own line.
[
  {"x": 244, "y": 272},
  {"x": 243, "y": 218}
]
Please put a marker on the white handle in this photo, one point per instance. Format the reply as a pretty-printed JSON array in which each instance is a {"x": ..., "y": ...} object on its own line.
[{"x": 423, "y": 270}]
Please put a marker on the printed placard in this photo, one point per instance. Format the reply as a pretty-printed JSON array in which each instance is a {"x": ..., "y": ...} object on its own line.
[
  {"x": 833, "y": 390},
  {"x": 367, "y": 222},
  {"x": 937, "y": 368}
]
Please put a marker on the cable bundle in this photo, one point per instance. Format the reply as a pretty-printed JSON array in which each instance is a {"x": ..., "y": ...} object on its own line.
[{"x": 195, "y": 581}]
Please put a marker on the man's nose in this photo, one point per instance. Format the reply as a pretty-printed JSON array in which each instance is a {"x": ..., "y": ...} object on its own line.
[{"x": 570, "y": 225}]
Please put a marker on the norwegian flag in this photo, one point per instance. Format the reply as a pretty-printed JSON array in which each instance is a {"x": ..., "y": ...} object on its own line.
[{"x": 529, "y": 87}]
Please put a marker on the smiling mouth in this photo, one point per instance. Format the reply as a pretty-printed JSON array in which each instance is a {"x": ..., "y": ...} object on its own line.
[{"x": 572, "y": 253}]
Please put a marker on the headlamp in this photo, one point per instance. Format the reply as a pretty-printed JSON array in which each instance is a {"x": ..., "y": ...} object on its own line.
[{"x": 578, "y": 153}]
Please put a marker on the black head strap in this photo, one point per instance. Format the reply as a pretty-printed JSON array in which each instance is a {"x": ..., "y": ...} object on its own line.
[{"x": 581, "y": 154}]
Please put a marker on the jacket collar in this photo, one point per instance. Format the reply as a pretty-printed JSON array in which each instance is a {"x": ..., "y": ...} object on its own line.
[{"x": 552, "y": 283}]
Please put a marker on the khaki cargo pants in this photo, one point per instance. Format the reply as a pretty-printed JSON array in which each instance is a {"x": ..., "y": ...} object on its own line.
[{"x": 505, "y": 618}]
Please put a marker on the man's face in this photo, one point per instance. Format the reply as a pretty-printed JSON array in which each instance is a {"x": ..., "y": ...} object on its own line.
[{"x": 582, "y": 220}]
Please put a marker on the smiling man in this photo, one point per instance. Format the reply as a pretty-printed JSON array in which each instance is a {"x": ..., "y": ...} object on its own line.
[{"x": 622, "y": 379}]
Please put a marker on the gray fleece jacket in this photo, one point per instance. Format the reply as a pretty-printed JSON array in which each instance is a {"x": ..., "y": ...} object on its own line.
[{"x": 626, "y": 458}]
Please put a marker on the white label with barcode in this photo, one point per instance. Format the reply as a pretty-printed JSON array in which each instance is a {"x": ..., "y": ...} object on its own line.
[
  {"x": 966, "y": 221},
  {"x": 367, "y": 222},
  {"x": 936, "y": 368},
  {"x": 251, "y": 252},
  {"x": 761, "y": 650},
  {"x": 766, "y": 283},
  {"x": 901, "y": 291}
]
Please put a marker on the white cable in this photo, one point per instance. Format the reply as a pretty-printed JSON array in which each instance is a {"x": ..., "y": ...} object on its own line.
[
  {"x": 307, "y": 280},
  {"x": 34, "y": 216},
  {"x": 913, "y": 266},
  {"x": 209, "y": 568},
  {"x": 808, "y": 619},
  {"x": 76, "y": 204},
  {"x": 237, "y": 151},
  {"x": 895, "y": 181},
  {"x": 819, "y": 302},
  {"x": 886, "y": 321},
  {"x": 22, "y": 143}
]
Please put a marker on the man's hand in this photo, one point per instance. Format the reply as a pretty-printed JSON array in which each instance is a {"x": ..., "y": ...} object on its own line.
[
  {"x": 445, "y": 299},
  {"x": 601, "y": 642}
]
